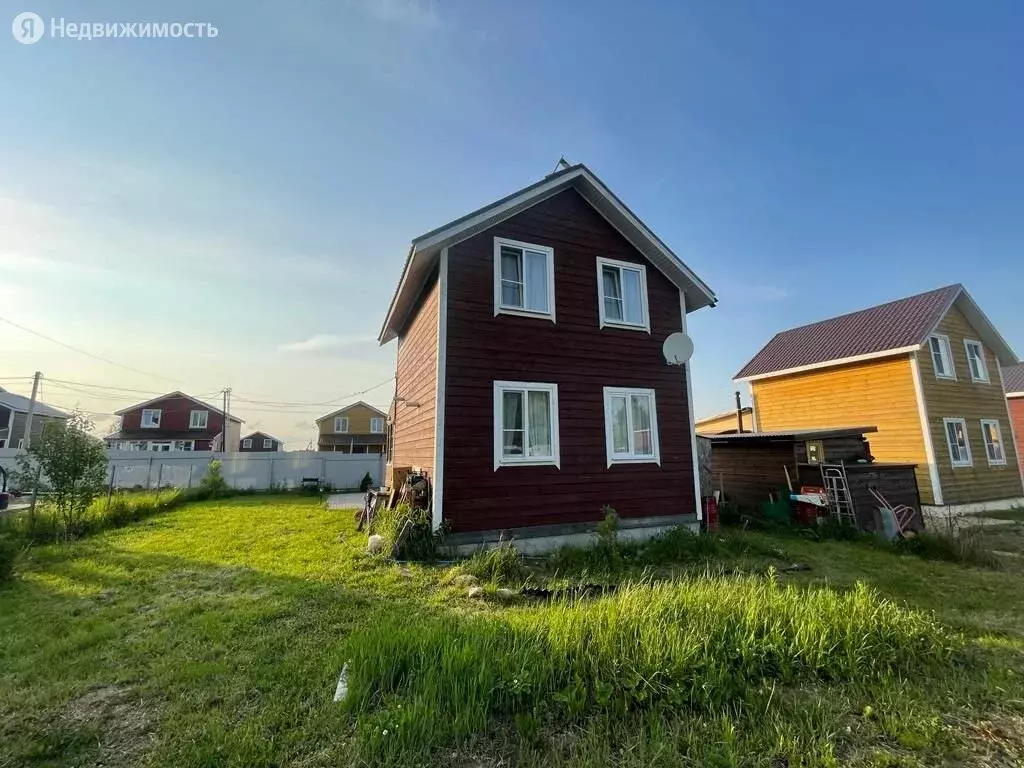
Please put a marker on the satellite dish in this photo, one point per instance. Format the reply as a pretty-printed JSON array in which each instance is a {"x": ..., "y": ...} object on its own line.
[{"x": 678, "y": 348}]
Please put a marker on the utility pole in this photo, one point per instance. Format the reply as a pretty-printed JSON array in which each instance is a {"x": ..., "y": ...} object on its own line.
[
  {"x": 224, "y": 422},
  {"x": 31, "y": 409}
]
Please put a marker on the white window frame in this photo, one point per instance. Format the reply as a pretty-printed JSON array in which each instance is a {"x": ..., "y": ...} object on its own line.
[
  {"x": 502, "y": 309},
  {"x": 374, "y": 421},
  {"x": 161, "y": 446},
  {"x": 151, "y": 411},
  {"x": 184, "y": 445},
  {"x": 267, "y": 443},
  {"x": 630, "y": 458},
  {"x": 500, "y": 460},
  {"x": 341, "y": 424},
  {"x": 955, "y": 458},
  {"x": 247, "y": 442},
  {"x": 192, "y": 419},
  {"x": 999, "y": 436},
  {"x": 982, "y": 364},
  {"x": 946, "y": 354},
  {"x": 645, "y": 323}
]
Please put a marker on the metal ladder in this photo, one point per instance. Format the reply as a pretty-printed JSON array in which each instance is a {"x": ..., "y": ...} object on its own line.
[{"x": 837, "y": 493}]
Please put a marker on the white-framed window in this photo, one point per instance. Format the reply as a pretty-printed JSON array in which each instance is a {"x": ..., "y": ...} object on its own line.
[
  {"x": 150, "y": 418},
  {"x": 247, "y": 443},
  {"x": 377, "y": 424},
  {"x": 976, "y": 360},
  {"x": 524, "y": 279},
  {"x": 184, "y": 445},
  {"x": 959, "y": 445},
  {"x": 631, "y": 426},
  {"x": 160, "y": 446},
  {"x": 622, "y": 294},
  {"x": 198, "y": 419},
  {"x": 525, "y": 423},
  {"x": 992, "y": 434},
  {"x": 341, "y": 423},
  {"x": 942, "y": 356},
  {"x": 268, "y": 443}
]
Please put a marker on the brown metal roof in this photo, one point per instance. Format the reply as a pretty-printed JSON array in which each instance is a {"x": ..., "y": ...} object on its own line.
[
  {"x": 1013, "y": 378},
  {"x": 897, "y": 324},
  {"x": 791, "y": 434}
]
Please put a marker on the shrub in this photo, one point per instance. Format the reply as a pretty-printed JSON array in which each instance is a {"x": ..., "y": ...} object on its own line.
[
  {"x": 213, "y": 485},
  {"x": 410, "y": 529},
  {"x": 700, "y": 643},
  {"x": 366, "y": 483},
  {"x": 502, "y": 564},
  {"x": 10, "y": 550}
]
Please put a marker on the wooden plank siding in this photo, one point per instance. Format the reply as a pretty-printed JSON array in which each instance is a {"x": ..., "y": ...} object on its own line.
[
  {"x": 359, "y": 416},
  {"x": 1016, "y": 409},
  {"x": 578, "y": 356},
  {"x": 972, "y": 401},
  {"x": 877, "y": 393},
  {"x": 415, "y": 386},
  {"x": 747, "y": 472}
]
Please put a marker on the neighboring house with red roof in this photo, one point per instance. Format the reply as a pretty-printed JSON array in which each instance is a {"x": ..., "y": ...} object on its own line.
[
  {"x": 925, "y": 370},
  {"x": 1013, "y": 383}
]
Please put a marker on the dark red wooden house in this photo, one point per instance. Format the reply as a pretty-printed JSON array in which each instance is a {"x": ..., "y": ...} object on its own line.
[
  {"x": 531, "y": 385},
  {"x": 174, "y": 422}
]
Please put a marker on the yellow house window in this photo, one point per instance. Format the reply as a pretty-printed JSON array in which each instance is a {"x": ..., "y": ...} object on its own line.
[{"x": 993, "y": 442}]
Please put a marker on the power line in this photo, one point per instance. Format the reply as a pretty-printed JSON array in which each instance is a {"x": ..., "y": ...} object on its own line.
[
  {"x": 334, "y": 401},
  {"x": 82, "y": 351}
]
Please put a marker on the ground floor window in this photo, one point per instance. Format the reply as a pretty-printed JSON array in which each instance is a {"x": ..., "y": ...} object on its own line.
[
  {"x": 993, "y": 436},
  {"x": 631, "y": 426},
  {"x": 525, "y": 423},
  {"x": 959, "y": 445}
]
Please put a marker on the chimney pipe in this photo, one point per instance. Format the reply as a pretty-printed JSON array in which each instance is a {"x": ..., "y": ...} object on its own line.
[{"x": 739, "y": 412}]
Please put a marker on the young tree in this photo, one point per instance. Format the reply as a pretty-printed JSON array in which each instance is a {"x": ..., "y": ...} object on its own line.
[{"x": 70, "y": 464}]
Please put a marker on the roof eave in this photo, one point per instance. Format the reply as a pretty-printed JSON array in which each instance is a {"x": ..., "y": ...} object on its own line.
[{"x": 829, "y": 364}]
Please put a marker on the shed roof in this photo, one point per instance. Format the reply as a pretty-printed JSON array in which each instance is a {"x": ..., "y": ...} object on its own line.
[
  {"x": 426, "y": 249},
  {"x": 1013, "y": 380},
  {"x": 791, "y": 434},
  {"x": 896, "y": 327}
]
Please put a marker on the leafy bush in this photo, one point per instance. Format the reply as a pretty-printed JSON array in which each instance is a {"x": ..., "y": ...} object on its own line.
[
  {"x": 502, "y": 564},
  {"x": 10, "y": 550},
  {"x": 700, "y": 643},
  {"x": 410, "y": 528},
  {"x": 213, "y": 485},
  {"x": 366, "y": 483}
]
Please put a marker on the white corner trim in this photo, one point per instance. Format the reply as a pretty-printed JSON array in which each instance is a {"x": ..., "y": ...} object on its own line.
[
  {"x": 645, "y": 323},
  {"x": 831, "y": 363},
  {"x": 549, "y": 252},
  {"x": 500, "y": 460},
  {"x": 926, "y": 432},
  {"x": 1012, "y": 394},
  {"x": 437, "y": 493},
  {"x": 693, "y": 422},
  {"x": 1009, "y": 419}
]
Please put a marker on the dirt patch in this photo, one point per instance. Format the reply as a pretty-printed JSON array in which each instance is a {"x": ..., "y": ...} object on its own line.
[
  {"x": 125, "y": 723},
  {"x": 997, "y": 740}
]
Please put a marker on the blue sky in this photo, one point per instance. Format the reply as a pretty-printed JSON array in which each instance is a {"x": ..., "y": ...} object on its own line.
[{"x": 235, "y": 211}]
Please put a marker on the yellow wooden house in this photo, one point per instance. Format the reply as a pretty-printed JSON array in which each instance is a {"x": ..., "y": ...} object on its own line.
[
  {"x": 925, "y": 370},
  {"x": 356, "y": 428}
]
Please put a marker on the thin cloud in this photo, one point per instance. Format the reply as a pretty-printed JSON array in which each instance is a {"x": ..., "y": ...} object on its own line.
[
  {"x": 322, "y": 341},
  {"x": 414, "y": 13}
]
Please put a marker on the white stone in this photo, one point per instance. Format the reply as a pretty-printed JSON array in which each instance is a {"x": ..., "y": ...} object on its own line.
[
  {"x": 477, "y": 592},
  {"x": 375, "y": 544}
]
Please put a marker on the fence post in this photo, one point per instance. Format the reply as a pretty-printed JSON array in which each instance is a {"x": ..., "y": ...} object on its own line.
[
  {"x": 160, "y": 477},
  {"x": 191, "y": 466},
  {"x": 110, "y": 488},
  {"x": 149, "y": 473},
  {"x": 271, "y": 483}
]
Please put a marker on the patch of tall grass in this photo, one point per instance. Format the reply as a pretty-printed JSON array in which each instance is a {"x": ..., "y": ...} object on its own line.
[
  {"x": 699, "y": 643},
  {"x": 501, "y": 564}
]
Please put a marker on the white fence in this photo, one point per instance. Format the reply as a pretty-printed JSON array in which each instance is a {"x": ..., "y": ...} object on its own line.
[{"x": 184, "y": 469}]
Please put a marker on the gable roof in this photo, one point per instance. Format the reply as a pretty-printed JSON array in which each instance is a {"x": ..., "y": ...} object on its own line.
[
  {"x": 426, "y": 249},
  {"x": 21, "y": 404},
  {"x": 1013, "y": 380},
  {"x": 176, "y": 393},
  {"x": 251, "y": 435},
  {"x": 896, "y": 327},
  {"x": 349, "y": 407}
]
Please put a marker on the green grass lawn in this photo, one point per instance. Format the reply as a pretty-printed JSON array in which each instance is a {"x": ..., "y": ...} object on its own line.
[{"x": 213, "y": 635}]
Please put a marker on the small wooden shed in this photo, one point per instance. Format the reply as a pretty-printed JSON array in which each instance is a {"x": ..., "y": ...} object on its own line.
[{"x": 749, "y": 468}]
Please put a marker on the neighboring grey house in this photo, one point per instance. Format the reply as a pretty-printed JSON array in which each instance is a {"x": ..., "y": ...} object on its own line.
[{"x": 13, "y": 412}]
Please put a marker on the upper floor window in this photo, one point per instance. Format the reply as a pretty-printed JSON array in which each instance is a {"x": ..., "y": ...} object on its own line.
[
  {"x": 525, "y": 423},
  {"x": 341, "y": 423},
  {"x": 150, "y": 418},
  {"x": 993, "y": 437},
  {"x": 942, "y": 357},
  {"x": 622, "y": 294},
  {"x": 268, "y": 443},
  {"x": 631, "y": 426},
  {"x": 524, "y": 279},
  {"x": 377, "y": 424},
  {"x": 959, "y": 446},
  {"x": 976, "y": 360},
  {"x": 247, "y": 443},
  {"x": 198, "y": 419}
]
